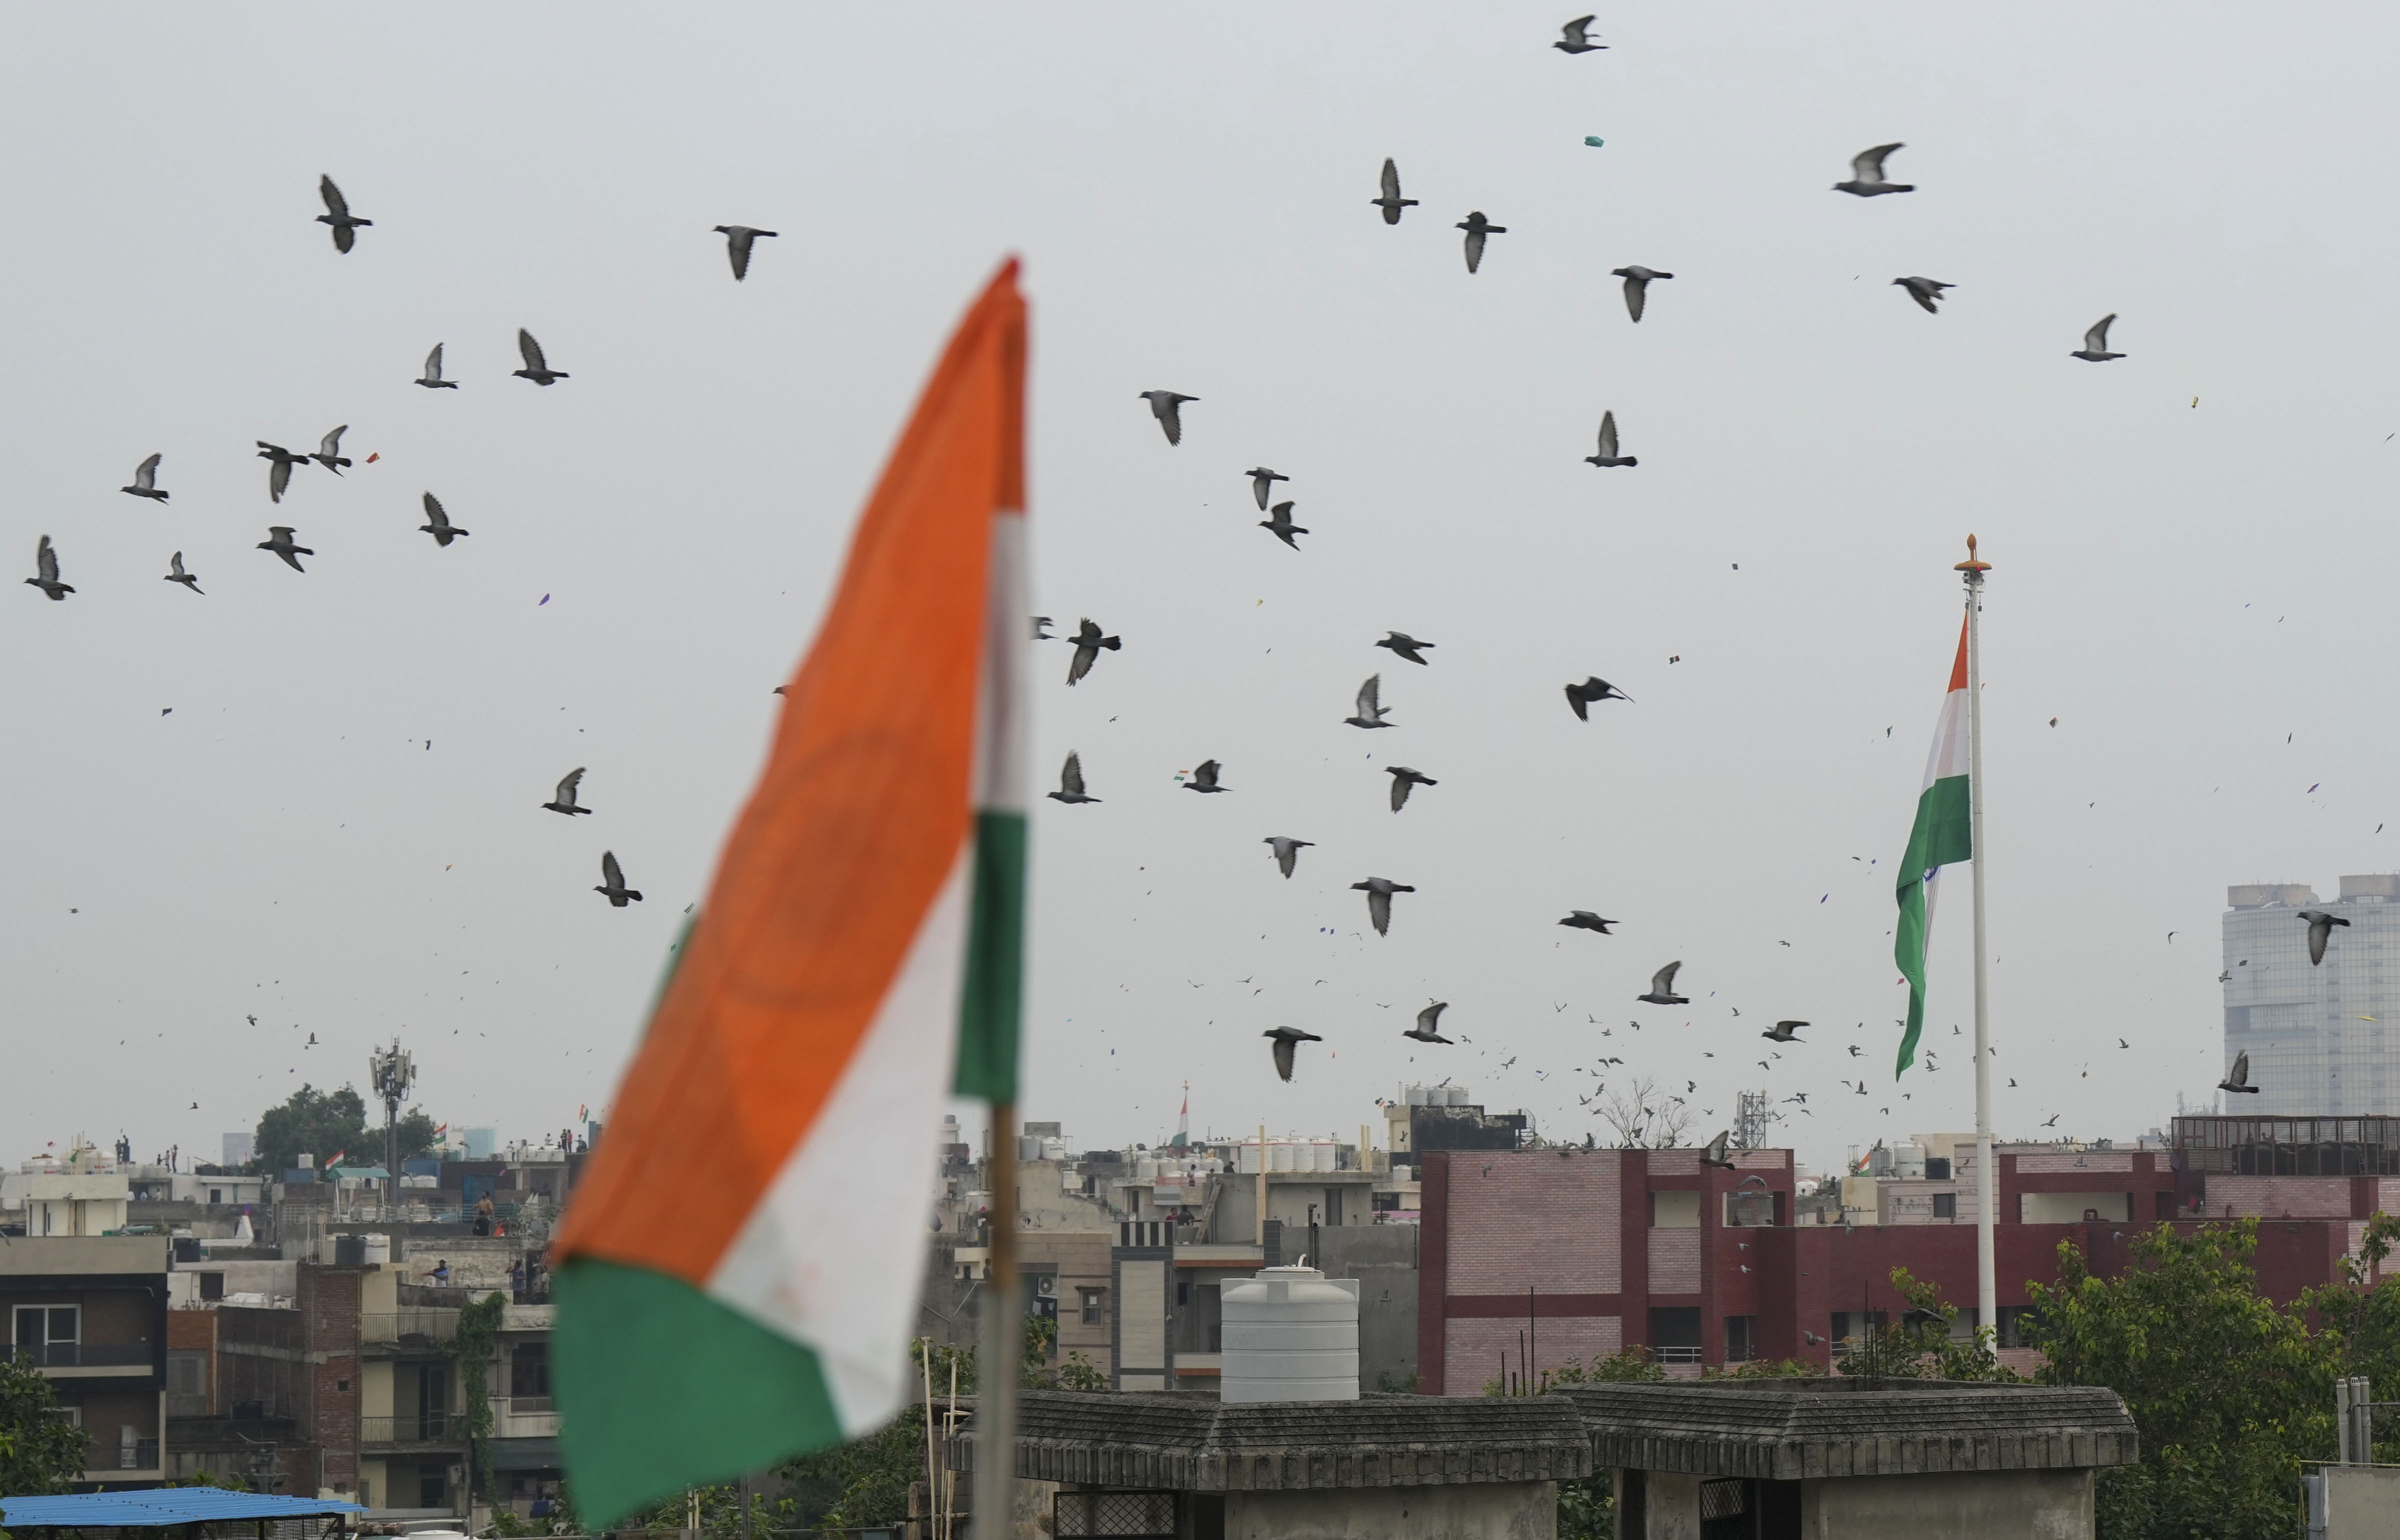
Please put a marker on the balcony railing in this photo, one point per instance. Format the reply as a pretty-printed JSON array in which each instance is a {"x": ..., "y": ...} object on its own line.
[
  {"x": 88, "y": 1355},
  {"x": 427, "y": 1325},
  {"x": 1675, "y": 1355},
  {"x": 525, "y": 1406},
  {"x": 422, "y": 1427}
]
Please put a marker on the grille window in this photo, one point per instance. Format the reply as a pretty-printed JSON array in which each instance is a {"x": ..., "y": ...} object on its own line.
[
  {"x": 1114, "y": 1515},
  {"x": 1724, "y": 1500}
]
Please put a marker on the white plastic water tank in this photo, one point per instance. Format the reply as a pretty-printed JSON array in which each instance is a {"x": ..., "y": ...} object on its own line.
[
  {"x": 1246, "y": 1161},
  {"x": 1290, "y": 1334},
  {"x": 1053, "y": 1149},
  {"x": 1279, "y": 1155},
  {"x": 1145, "y": 1169},
  {"x": 1456, "y": 1095},
  {"x": 1416, "y": 1095},
  {"x": 378, "y": 1250},
  {"x": 1321, "y": 1155}
]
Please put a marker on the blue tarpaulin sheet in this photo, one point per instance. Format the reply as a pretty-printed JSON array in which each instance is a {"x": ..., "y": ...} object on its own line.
[{"x": 159, "y": 1505}]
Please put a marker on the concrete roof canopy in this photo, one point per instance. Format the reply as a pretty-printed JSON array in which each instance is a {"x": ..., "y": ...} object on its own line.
[{"x": 1798, "y": 1429}]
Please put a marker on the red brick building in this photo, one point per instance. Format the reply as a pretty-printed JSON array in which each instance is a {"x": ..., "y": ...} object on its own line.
[{"x": 1535, "y": 1257}]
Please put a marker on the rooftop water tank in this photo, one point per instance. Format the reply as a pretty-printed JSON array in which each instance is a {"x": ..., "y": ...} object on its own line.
[
  {"x": 1279, "y": 1155},
  {"x": 377, "y": 1249},
  {"x": 1416, "y": 1095},
  {"x": 1290, "y": 1334},
  {"x": 1322, "y": 1156},
  {"x": 1246, "y": 1159},
  {"x": 1455, "y": 1095}
]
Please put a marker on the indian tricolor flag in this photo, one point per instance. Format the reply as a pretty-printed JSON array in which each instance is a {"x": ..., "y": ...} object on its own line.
[
  {"x": 737, "y": 1276},
  {"x": 1940, "y": 834}
]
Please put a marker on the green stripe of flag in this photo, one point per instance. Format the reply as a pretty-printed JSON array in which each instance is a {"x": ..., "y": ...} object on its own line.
[
  {"x": 671, "y": 1388},
  {"x": 1942, "y": 834},
  {"x": 993, "y": 994}
]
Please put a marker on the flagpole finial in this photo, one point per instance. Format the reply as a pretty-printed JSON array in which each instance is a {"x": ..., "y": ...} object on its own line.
[{"x": 1971, "y": 564}]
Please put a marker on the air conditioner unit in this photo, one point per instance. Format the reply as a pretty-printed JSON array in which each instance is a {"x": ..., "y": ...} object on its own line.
[{"x": 1045, "y": 1285}]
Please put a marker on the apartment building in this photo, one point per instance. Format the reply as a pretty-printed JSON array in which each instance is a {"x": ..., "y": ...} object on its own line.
[{"x": 90, "y": 1311}]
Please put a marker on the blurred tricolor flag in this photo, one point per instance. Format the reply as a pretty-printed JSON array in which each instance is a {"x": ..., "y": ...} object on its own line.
[{"x": 737, "y": 1275}]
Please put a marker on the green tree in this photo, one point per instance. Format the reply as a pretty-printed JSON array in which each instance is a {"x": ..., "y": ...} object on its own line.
[
  {"x": 323, "y": 1123},
  {"x": 1920, "y": 1345},
  {"x": 41, "y": 1453},
  {"x": 2229, "y": 1391}
]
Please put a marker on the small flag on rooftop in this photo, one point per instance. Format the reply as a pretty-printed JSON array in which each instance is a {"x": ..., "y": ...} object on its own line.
[{"x": 862, "y": 936}]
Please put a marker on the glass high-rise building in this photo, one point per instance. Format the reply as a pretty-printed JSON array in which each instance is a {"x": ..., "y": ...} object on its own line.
[{"x": 2323, "y": 1040}]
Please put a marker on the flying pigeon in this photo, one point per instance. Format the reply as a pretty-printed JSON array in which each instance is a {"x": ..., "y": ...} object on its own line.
[
  {"x": 1584, "y": 919},
  {"x": 1866, "y": 174},
  {"x": 431, "y": 380},
  {"x": 1405, "y": 645},
  {"x": 2095, "y": 349},
  {"x": 1204, "y": 779},
  {"x": 1281, "y": 526},
  {"x": 1477, "y": 227},
  {"x": 1041, "y": 632},
  {"x": 2321, "y": 926},
  {"x": 1715, "y": 1153},
  {"x": 1262, "y": 483},
  {"x": 536, "y": 368},
  {"x": 278, "y": 539},
  {"x": 1088, "y": 642},
  {"x": 2236, "y": 1080},
  {"x": 1781, "y": 1031},
  {"x": 1286, "y": 850},
  {"x": 1167, "y": 407},
  {"x": 1071, "y": 782},
  {"x": 737, "y": 245},
  {"x": 1572, "y": 38},
  {"x": 1392, "y": 202},
  {"x": 179, "y": 575},
  {"x": 279, "y": 475},
  {"x": 1925, "y": 291},
  {"x": 1379, "y": 891},
  {"x": 329, "y": 450},
  {"x": 45, "y": 568},
  {"x": 612, "y": 882},
  {"x": 337, "y": 214},
  {"x": 1369, "y": 713},
  {"x": 1427, "y": 1019},
  {"x": 1608, "y": 458},
  {"x": 1637, "y": 287},
  {"x": 437, "y": 522},
  {"x": 1662, "y": 987},
  {"x": 563, "y": 799},
  {"x": 1580, "y": 697},
  {"x": 1403, "y": 779},
  {"x": 1286, "y": 1037},
  {"x": 145, "y": 481}
]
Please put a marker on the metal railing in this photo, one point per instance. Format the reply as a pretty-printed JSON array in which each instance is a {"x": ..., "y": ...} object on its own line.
[
  {"x": 525, "y": 1406},
  {"x": 421, "y": 1427},
  {"x": 88, "y": 1355},
  {"x": 142, "y": 1454},
  {"x": 425, "y": 1324},
  {"x": 1675, "y": 1355}
]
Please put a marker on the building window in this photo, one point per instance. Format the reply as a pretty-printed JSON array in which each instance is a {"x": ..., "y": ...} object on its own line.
[
  {"x": 188, "y": 1382},
  {"x": 1945, "y": 1206},
  {"x": 1096, "y": 1305},
  {"x": 216, "y": 1194},
  {"x": 49, "y": 1333},
  {"x": 1937, "y": 1168},
  {"x": 1113, "y": 1515},
  {"x": 1740, "y": 1333},
  {"x": 212, "y": 1285},
  {"x": 529, "y": 1370}
]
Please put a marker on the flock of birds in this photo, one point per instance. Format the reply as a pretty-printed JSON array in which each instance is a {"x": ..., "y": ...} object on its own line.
[
  {"x": 282, "y": 540},
  {"x": 1868, "y": 179}
]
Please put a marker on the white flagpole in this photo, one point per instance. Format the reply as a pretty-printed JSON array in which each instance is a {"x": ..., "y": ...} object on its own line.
[{"x": 1987, "y": 1173}]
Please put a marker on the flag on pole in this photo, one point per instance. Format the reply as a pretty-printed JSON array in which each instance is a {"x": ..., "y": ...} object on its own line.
[
  {"x": 1940, "y": 834},
  {"x": 1183, "y": 1121},
  {"x": 862, "y": 936}
]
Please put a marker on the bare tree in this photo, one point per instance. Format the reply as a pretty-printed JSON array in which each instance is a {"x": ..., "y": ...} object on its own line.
[{"x": 1644, "y": 1116}]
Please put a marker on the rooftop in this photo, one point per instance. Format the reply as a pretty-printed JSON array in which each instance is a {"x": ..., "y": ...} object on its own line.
[
  {"x": 1193, "y": 1442},
  {"x": 1789, "y": 1430}
]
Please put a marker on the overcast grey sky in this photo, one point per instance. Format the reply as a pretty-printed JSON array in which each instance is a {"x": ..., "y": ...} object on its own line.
[{"x": 2182, "y": 587}]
